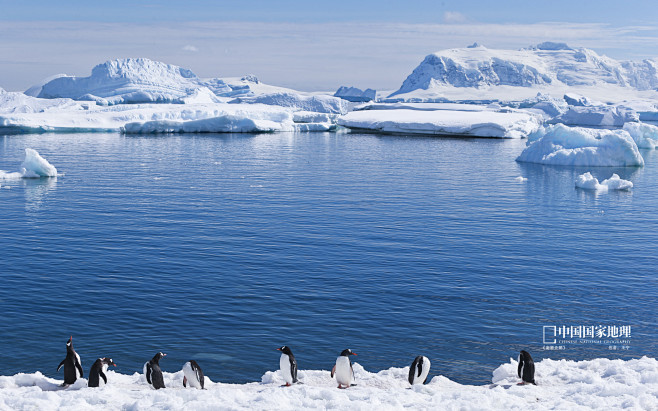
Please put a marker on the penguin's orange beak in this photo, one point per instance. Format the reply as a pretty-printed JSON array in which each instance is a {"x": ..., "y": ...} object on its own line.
[
  {"x": 278, "y": 349},
  {"x": 353, "y": 353}
]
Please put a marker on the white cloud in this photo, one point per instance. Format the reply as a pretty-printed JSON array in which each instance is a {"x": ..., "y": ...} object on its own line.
[
  {"x": 190, "y": 48},
  {"x": 453, "y": 17}
]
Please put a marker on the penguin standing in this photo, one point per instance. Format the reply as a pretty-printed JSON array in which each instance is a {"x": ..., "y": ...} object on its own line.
[
  {"x": 526, "y": 368},
  {"x": 98, "y": 370},
  {"x": 343, "y": 369},
  {"x": 419, "y": 370},
  {"x": 288, "y": 365},
  {"x": 153, "y": 372},
  {"x": 71, "y": 364},
  {"x": 193, "y": 375}
]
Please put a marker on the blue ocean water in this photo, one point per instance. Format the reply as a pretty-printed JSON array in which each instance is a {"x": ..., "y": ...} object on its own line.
[{"x": 221, "y": 248}]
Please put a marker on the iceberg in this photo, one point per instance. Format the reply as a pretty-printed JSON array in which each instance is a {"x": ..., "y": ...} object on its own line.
[
  {"x": 320, "y": 103},
  {"x": 645, "y": 135},
  {"x": 479, "y": 123},
  {"x": 355, "y": 95},
  {"x": 588, "y": 182},
  {"x": 562, "y": 384},
  {"x": 596, "y": 116},
  {"x": 33, "y": 166},
  {"x": 577, "y": 146}
]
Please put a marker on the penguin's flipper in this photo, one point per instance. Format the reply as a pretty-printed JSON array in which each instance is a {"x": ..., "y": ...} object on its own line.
[
  {"x": 185, "y": 382},
  {"x": 333, "y": 371},
  {"x": 148, "y": 374},
  {"x": 60, "y": 364},
  {"x": 102, "y": 374},
  {"x": 425, "y": 382},
  {"x": 293, "y": 370}
]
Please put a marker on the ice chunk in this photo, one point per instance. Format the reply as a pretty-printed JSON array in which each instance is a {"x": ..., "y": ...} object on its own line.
[
  {"x": 574, "y": 99},
  {"x": 577, "y": 146},
  {"x": 597, "y": 116},
  {"x": 645, "y": 135},
  {"x": 588, "y": 182},
  {"x": 355, "y": 94},
  {"x": 443, "y": 122},
  {"x": 34, "y": 166}
]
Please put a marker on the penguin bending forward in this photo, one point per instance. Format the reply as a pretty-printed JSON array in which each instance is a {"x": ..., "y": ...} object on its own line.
[
  {"x": 153, "y": 372},
  {"x": 72, "y": 367},
  {"x": 193, "y": 375},
  {"x": 343, "y": 369},
  {"x": 419, "y": 370},
  {"x": 288, "y": 365},
  {"x": 98, "y": 371},
  {"x": 526, "y": 368}
]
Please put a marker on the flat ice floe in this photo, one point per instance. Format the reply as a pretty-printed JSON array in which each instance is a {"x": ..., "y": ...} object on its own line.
[
  {"x": 577, "y": 146},
  {"x": 588, "y": 182},
  {"x": 34, "y": 166},
  {"x": 594, "y": 384},
  {"x": 476, "y": 123}
]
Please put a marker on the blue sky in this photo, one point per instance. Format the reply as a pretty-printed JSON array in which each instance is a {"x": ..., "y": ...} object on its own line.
[{"x": 302, "y": 44}]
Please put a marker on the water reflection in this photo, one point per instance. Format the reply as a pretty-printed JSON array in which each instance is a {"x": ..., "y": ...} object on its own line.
[{"x": 36, "y": 191}]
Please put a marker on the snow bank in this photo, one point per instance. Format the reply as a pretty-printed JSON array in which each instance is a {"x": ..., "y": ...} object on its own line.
[
  {"x": 588, "y": 182},
  {"x": 645, "y": 135},
  {"x": 594, "y": 384},
  {"x": 355, "y": 94},
  {"x": 34, "y": 166},
  {"x": 576, "y": 146},
  {"x": 443, "y": 122}
]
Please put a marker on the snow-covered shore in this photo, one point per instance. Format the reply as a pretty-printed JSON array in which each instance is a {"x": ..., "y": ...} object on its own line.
[{"x": 594, "y": 384}]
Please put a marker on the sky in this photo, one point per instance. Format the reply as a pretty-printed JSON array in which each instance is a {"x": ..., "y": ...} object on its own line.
[{"x": 305, "y": 45}]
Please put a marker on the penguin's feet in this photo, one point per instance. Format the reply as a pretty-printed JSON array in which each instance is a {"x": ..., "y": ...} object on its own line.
[{"x": 286, "y": 385}]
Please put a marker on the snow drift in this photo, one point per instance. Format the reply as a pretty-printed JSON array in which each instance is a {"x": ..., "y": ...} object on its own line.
[
  {"x": 595, "y": 384},
  {"x": 576, "y": 146}
]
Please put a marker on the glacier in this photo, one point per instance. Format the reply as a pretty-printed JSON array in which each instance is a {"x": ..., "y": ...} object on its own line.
[{"x": 562, "y": 384}]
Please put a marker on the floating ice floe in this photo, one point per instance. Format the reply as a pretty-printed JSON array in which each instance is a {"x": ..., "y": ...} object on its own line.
[
  {"x": 588, "y": 182},
  {"x": 577, "y": 146},
  {"x": 34, "y": 166},
  {"x": 645, "y": 135},
  {"x": 480, "y": 123},
  {"x": 594, "y": 384}
]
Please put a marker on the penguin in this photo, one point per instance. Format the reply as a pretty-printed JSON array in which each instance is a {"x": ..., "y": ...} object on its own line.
[
  {"x": 343, "y": 369},
  {"x": 72, "y": 367},
  {"x": 419, "y": 370},
  {"x": 288, "y": 365},
  {"x": 526, "y": 369},
  {"x": 98, "y": 370},
  {"x": 153, "y": 372},
  {"x": 193, "y": 375}
]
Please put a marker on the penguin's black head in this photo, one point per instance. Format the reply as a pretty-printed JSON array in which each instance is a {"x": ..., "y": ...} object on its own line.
[
  {"x": 108, "y": 361},
  {"x": 525, "y": 355},
  {"x": 285, "y": 349},
  {"x": 157, "y": 357},
  {"x": 347, "y": 353}
]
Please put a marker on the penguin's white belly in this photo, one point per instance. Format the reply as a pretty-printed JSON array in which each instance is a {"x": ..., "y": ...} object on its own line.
[
  {"x": 343, "y": 371},
  {"x": 423, "y": 374},
  {"x": 77, "y": 372},
  {"x": 284, "y": 364},
  {"x": 146, "y": 364},
  {"x": 191, "y": 375}
]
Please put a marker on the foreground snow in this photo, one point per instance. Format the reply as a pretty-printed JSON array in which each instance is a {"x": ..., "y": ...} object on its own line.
[
  {"x": 469, "y": 121},
  {"x": 595, "y": 384}
]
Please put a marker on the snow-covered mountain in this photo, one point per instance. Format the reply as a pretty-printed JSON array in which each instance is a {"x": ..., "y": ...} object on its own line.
[
  {"x": 126, "y": 81},
  {"x": 547, "y": 67}
]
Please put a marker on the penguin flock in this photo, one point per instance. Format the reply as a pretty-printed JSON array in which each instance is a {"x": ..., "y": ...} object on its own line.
[{"x": 194, "y": 377}]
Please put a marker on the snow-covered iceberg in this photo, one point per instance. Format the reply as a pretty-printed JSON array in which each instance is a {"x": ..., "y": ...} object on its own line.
[
  {"x": 476, "y": 123},
  {"x": 320, "y": 103},
  {"x": 645, "y": 135},
  {"x": 596, "y": 116},
  {"x": 562, "y": 384},
  {"x": 587, "y": 181},
  {"x": 33, "y": 166},
  {"x": 577, "y": 146}
]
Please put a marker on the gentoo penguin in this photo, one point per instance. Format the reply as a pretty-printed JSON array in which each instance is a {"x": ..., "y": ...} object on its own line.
[
  {"x": 419, "y": 370},
  {"x": 71, "y": 364},
  {"x": 153, "y": 372},
  {"x": 343, "y": 369},
  {"x": 526, "y": 368},
  {"x": 288, "y": 365},
  {"x": 193, "y": 375},
  {"x": 98, "y": 370}
]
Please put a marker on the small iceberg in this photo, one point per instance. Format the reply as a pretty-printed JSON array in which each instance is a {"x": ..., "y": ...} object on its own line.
[
  {"x": 34, "y": 166},
  {"x": 588, "y": 182}
]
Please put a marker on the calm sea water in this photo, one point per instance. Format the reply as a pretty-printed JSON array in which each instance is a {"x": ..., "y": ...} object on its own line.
[{"x": 221, "y": 248}]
